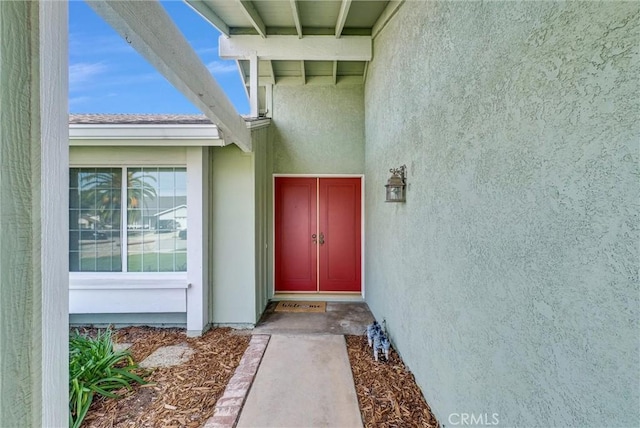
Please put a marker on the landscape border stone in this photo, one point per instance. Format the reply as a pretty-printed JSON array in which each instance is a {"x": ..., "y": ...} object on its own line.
[{"x": 228, "y": 406}]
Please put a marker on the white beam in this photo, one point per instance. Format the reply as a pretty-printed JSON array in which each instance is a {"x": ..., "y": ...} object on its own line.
[
  {"x": 320, "y": 81},
  {"x": 386, "y": 15},
  {"x": 269, "y": 100},
  {"x": 342, "y": 17},
  {"x": 310, "y": 48},
  {"x": 252, "y": 14},
  {"x": 205, "y": 11},
  {"x": 253, "y": 86},
  {"x": 197, "y": 245},
  {"x": 53, "y": 162},
  {"x": 296, "y": 17},
  {"x": 364, "y": 73},
  {"x": 243, "y": 75},
  {"x": 270, "y": 70},
  {"x": 303, "y": 73},
  {"x": 335, "y": 72},
  {"x": 265, "y": 80},
  {"x": 150, "y": 31}
]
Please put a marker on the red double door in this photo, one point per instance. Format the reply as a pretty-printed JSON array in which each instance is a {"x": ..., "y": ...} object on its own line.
[{"x": 318, "y": 234}]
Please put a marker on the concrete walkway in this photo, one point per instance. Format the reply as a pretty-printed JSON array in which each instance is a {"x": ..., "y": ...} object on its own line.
[
  {"x": 296, "y": 372},
  {"x": 340, "y": 318},
  {"x": 302, "y": 381}
]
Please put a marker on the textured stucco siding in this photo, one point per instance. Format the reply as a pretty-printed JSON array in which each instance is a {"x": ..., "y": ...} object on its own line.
[
  {"x": 318, "y": 129},
  {"x": 509, "y": 279},
  {"x": 232, "y": 237}
]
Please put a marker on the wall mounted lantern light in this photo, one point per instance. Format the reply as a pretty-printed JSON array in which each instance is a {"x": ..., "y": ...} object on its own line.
[{"x": 397, "y": 185}]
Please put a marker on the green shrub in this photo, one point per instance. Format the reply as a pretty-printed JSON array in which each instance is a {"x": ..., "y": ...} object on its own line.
[{"x": 94, "y": 368}]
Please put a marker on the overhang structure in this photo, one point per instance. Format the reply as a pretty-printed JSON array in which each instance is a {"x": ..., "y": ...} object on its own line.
[{"x": 291, "y": 42}]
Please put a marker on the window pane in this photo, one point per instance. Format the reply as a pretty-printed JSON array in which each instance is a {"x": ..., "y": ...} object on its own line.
[
  {"x": 94, "y": 220},
  {"x": 157, "y": 212}
]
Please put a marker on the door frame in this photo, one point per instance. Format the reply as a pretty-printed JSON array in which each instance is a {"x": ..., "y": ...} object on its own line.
[{"x": 272, "y": 290}]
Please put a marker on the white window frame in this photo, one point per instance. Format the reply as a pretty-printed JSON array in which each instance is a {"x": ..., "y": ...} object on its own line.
[{"x": 124, "y": 230}]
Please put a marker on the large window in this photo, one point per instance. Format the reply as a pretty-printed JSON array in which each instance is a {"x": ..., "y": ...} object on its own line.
[{"x": 148, "y": 236}]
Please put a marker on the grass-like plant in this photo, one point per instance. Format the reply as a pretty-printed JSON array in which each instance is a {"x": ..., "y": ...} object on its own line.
[{"x": 94, "y": 368}]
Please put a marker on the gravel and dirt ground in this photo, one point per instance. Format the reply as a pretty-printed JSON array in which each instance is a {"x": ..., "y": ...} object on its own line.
[{"x": 185, "y": 395}]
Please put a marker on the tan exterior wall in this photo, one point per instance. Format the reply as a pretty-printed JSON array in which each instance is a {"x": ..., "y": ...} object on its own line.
[
  {"x": 509, "y": 278},
  {"x": 315, "y": 129},
  {"x": 318, "y": 129},
  {"x": 232, "y": 239}
]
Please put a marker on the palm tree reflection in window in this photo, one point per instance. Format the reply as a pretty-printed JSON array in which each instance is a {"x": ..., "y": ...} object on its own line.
[
  {"x": 102, "y": 192},
  {"x": 95, "y": 203}
]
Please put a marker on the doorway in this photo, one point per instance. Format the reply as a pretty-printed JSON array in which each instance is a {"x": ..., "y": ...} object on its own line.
[{"x": 318, "y": 235}]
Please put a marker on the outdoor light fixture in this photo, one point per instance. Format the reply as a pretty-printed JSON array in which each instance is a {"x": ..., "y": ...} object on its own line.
[{"x": 397, "y": 185}]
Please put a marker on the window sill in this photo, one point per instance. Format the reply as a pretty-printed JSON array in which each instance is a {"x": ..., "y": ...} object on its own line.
[{"x": 127, "y": 281}]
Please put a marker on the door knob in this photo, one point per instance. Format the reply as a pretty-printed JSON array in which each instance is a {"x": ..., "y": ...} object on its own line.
[
  {"x": 321, "y": 238},
  {"x": 313, "y": 238}
]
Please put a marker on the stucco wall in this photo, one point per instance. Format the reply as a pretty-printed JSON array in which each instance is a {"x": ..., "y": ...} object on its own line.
[
  {"x": 318, "y": 129},
  {"x": 509, "y": 279},
  {"x": 232, "y": 237}
]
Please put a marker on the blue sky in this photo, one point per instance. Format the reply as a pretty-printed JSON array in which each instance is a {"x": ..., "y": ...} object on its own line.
[{"x": 106, "y": 75}]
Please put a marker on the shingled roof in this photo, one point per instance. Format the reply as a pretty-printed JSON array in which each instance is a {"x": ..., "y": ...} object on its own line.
[{"x": 139, "y": 119}]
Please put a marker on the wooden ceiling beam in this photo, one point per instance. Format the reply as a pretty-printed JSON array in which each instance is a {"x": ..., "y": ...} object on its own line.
[
  {"x": 209, "y": 15},
  {"x": 270, "y": 71},
  {"x": 386, "y": 15},
  {"x": 309, "y": 48},
  {"x": 296, "y": 17},
  {"x": 252, "y": 14},
  {"x": 342, "y": 17}
]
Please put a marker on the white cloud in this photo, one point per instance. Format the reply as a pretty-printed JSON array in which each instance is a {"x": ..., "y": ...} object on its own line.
[
  {"x": 83, "y": 45},
  {"x": 127, "y": 78},
  {"x": 84, "y": 72},
  {"x": 90, "y": 77},
  {"x": 222, "y": 67},
  {"x": 206, "y": 51}
]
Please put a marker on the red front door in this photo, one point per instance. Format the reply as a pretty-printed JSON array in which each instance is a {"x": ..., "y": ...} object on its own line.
[
  {"x": 317, "y": 234},
  {"x": 339, "y": 225},
  {"x": 295, "y": 223}
]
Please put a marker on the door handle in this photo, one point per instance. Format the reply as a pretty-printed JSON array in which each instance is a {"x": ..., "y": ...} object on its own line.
[
  {"x": 314, "y": 238},
  {"x": 321, "y": 238}
]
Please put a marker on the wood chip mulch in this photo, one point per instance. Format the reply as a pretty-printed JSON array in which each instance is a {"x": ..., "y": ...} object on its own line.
[
  {"x": 387, "y": 392},
  {"x": 179, "y": 396},
  {"x": 185, "y": 395}
]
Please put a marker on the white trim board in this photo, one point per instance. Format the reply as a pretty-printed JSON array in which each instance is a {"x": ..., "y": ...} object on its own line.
[
  {"x": 143, "y": 131},
  {"x": 126, "y": 280},
  {"x": 292, "y": 48},
  {"x": 85, "y": 301}
]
